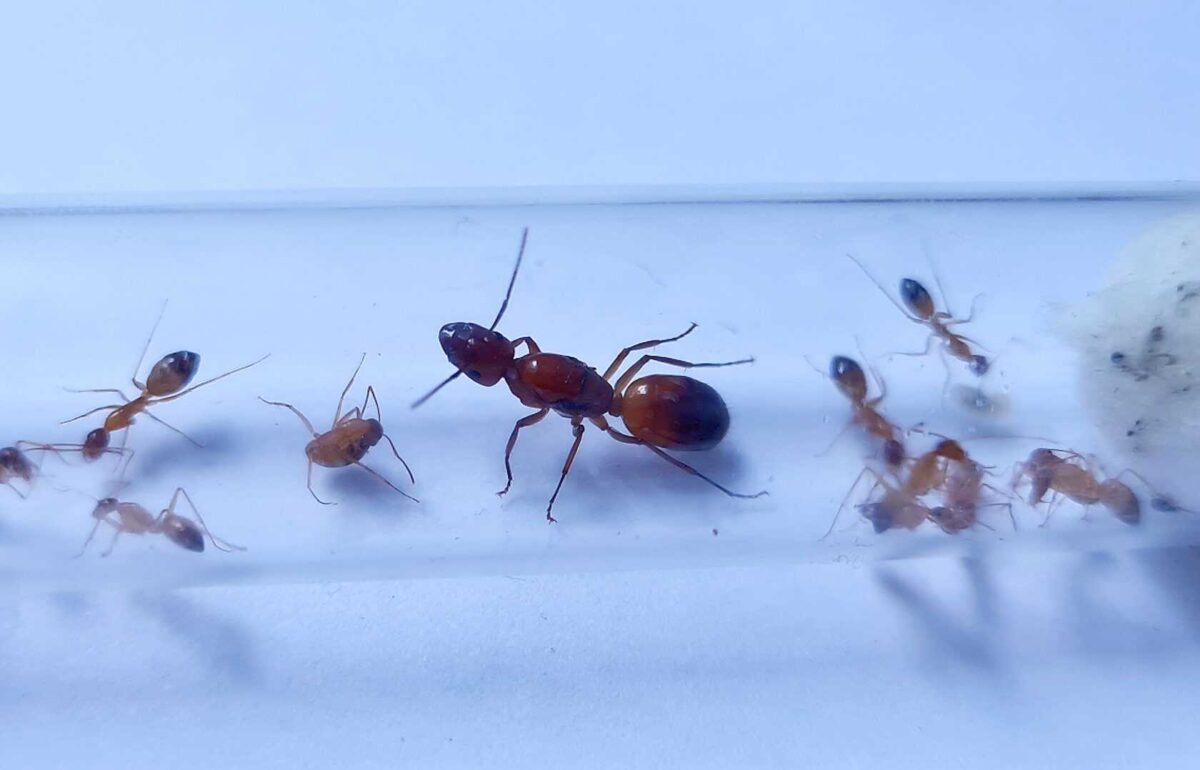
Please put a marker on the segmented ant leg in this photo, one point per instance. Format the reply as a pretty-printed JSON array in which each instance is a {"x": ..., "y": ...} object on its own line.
[
  {"x": 371, "y": 396},
  {"x": 295, "y": 411},
  {"x": 970, "y": 315},
  {"x": 626, "y": 378},
  {"x": 92, "y": 534},
  {"x": 411, "y": 478},
  {"x": 620, "y": 359},
  {"x": 846, "y": 499},
  {"x": 836, "y": 439},
  {"x": 112, "y": 543},
  {"x": 169, "y": 426},
  {"x": 530, "y": 345},
  {"x": 1011, "y": 516},
  {"x": 91, "y": 412},
  {"x": 917, "y": 354},
  {"x": 577, "y": 430},
  {"x": 310, "y": 489},
  {"x": 624, "y": 438},
  {"x": 218, "y": 543},
  {"x": 99, "y": 390},
  {"x": 524, "y": 422},
  {"x": 16, "y": 491},
  {"x": 338, "y": 413},
  {"x": 379, "y": 476}
]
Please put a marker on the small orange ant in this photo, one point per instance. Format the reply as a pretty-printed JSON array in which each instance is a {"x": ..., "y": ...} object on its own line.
[
  {"x": 348, "y": 438},
  {"x": 136, "y": 520},
  {"x": 850, "y": 380},
  {"x": 1069, "y": 476},
  {"x": 166, "y": 382},
  {"x": 659, "y": 411},
  {"x": 919, "y": 308}
]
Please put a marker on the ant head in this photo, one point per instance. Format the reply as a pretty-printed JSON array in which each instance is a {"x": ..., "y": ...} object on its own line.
[
  {"x": 877, "y": 514},
  {"x": 849, "y": 378},
  {"x": 951, "y": 450},
  {"x": 15, "y": 462},
  {"x": 916, "y": 299},
  {"x": 481, "y": 354},
  {"x": 104, "y": 507},
  {"x": 893, "y": 452},
  {"x": 182, "y": 531},
  {"x": 979, "y": 365},
  {"x": 1121, "y": 500},
  {"x": 172, "y": 373},
  {"x": 95, "y": 444}
]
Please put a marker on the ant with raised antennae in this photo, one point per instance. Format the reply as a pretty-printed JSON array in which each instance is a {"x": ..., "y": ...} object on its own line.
[
  {"x": 919, "y": 308},
  {"x": 167, "y": 381},
  {"x": 134, "y": 519},
  {"x": 659, "y": 411},
  {"x": 348, "y": 438}
]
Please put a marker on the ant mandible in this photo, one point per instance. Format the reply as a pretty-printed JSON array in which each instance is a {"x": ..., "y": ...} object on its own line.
[
  {"x": 919, "y": 308},
  {"x": 166, "y": 382},
  {"x": 136, "y": 520},
  {"x": 659, "y": 411},
  {"x": 348, "y": 438}
]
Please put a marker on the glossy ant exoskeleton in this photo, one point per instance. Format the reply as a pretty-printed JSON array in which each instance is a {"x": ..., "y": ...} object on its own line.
[{"x": 659, "y": 411}]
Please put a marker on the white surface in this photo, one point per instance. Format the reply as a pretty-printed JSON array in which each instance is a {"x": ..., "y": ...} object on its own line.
[
  {"x": 136, "y": 95},
  {"x": 286, "y": 662}
]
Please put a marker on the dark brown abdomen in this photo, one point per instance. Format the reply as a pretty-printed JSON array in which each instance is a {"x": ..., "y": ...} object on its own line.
[{"x": 675, "y": 412}]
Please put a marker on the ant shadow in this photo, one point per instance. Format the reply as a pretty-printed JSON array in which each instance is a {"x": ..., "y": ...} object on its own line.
[
  {"x": 365, "y": 494},
  {"x": 1175, "y": 572},
  {"x": 222, "y": 646},
  {"x": 219, "y": 445},
  {"x": 971, "y": 641}
]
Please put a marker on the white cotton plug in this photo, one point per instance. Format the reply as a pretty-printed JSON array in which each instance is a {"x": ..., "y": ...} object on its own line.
[{"x": 1139, "y": 355}]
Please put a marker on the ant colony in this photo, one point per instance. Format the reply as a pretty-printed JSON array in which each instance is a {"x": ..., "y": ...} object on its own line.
[{"x": 910, "y": 477}]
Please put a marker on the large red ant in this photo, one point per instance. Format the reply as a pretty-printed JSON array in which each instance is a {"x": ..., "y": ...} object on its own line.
[{"x": 659, "y": 411}]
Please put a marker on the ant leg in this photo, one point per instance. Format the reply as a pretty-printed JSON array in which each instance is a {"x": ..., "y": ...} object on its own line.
[
  {"x": 379, "y": 476},
  {"x": 295, "y": 411},
  {"x": 959, "y": 321},
  {"x": 1011, "y": 517},
  {"x": 577, "y": 430},
  {"x": 849, "y": 424},
  {"x": 884, "y": 291},
  {"x": 209, "y": 381},
  {"x": 91, "y": 535},
  {"x": 112, "y": 543},
  {"x": 13, "y": 487},
  {"x": 91, "y": 412},
  {"x": 146, "y": 348},
  {"x": 167, "y": 425},
  {"x": 338, "y": 413},
  {"x": 371, "y": 395},
  {"x": 620, "y": 359},
  {"x": 98, "y": 390},
  {"x": 928, "y": 346},
  {"x": 310, "y": 489},
  {"x": 218, "y": 543},
  {"x": 627, "y": 439},
  {"x": 846, "y": 499},
  {"x": 411, "y": 478},
  {"x": 628, "y": 376},
  {"x": 524, "y": 422},
  {"x": 530, "y": 345}
]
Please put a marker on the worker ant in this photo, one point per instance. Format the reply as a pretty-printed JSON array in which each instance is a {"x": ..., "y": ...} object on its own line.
[
  {"x": 134, "y": 519},
  {"x": 167, "y": 381},
  {"x": 1067, "y": 473},
  {"x": 919, "y": 308},
  {"x": 348, "y": 439},
  {"x": 962, "y": 489},
  {"x": 659, "y": 411},
  {"x": 850, "y": 380}
]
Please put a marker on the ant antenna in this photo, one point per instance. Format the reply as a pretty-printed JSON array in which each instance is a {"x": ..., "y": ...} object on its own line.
[
  {"x": 436, "y": 388},
  {"x": 153, "y": 329},
  {"x": 511, "y": 281},
  {"x": 879, "y": 285}
]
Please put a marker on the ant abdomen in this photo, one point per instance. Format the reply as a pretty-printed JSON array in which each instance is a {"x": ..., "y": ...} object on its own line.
[
  {"x": 849, "y": 378},
  {"x": 916, "y": 298},
  {"x": 172, "y": 373},
  {"x": 182, "y": 532},
  {"x": 1121, "y": 500},
  {"x": 482, "y": 354},
  {"x": 672, "y": 411}
]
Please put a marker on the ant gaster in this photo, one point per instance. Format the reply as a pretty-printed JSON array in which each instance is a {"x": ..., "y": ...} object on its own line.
[
  {"x": 659, "y": 411},
  {"x": 919, "y": 308},
  {"x": 348, "y": 439}
]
